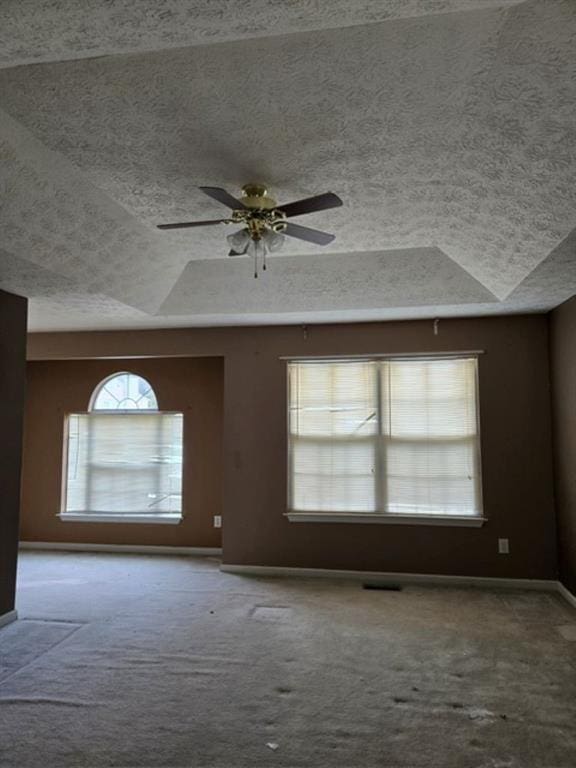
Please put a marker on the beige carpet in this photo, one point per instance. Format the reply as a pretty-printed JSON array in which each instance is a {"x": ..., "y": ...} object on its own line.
[{"x": 125, "y": 660}]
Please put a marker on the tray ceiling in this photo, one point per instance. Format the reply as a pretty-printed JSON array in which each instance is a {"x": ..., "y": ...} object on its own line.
[
  {"x": 448, "y": 128},
  {"x": 35, "y": 31}
]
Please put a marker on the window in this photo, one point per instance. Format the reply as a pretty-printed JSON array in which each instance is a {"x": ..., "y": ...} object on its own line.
[
  {"x": 124, "y": 457},
  {"x": 124, "y": 392},
  {"x": 384, "y": 440}
]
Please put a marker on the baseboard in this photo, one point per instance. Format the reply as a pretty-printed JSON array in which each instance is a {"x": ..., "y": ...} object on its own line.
[
  {"x": 398, "y": 578},
  {"x": 136, "y": 549},
  {"x": 566, "y": 594},
  {"x": 8, "y": 618}
]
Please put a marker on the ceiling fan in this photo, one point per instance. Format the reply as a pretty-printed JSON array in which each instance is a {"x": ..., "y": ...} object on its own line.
[{"x": 265, "y": 224}]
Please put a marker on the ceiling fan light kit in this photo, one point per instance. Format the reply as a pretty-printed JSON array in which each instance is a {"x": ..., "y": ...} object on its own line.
[{"x": 265, "y": 224}]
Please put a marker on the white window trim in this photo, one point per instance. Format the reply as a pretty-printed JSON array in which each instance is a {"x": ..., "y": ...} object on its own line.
[
  {"x": 100, "y": 517},
  {"x": 389, "y": 518}
]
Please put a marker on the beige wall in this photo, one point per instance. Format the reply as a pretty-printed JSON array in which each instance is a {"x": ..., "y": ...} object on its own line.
[
  {"x": 516, "y": 442},
  {"x": 12, "y": 376},
  {"x": 563, "y": 359},
  {"x": 56, "y": 388}
]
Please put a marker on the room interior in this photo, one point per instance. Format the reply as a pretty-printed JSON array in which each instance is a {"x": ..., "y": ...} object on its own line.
[{"x": 397, "y": 281}]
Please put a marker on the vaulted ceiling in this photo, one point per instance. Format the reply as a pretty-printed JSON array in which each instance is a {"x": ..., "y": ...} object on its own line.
[{"x": 448, "y": 128}]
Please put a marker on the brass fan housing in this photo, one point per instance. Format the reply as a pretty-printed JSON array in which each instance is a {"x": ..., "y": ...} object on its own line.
[
  {"x": 259, "y": 213},
  {"x": 256, "y": 196}
]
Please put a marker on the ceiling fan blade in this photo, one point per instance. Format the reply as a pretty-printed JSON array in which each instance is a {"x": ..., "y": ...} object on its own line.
[
  {"x": 186, "y": 224},
  {"x": 311, "y": 204},
  {"x": 219, "y": 194},
  {"x": 310, "y": 235},
  {"x": 235, "y": 253}
]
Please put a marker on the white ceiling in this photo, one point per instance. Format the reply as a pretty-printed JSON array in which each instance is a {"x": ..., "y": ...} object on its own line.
[{"x": 448, "y": 127}]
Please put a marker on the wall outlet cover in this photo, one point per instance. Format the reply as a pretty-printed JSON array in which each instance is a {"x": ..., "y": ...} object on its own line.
[{"x": 504, "y": 546}]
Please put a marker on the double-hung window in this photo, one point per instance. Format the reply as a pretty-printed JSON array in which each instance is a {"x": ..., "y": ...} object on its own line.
[
  {"x": 385, "y": 440},
  {"x": 123, "y": 457}
]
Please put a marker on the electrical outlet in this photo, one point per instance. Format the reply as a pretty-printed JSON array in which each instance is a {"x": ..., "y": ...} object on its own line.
[
  {"x": 217, "y": 521},
  {"x": 503, "y": 546}
]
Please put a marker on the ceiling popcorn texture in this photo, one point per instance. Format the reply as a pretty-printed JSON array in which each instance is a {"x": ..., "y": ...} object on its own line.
[
  {"x": 36, "y": 31},
  {"x": 448, "y": 129}
]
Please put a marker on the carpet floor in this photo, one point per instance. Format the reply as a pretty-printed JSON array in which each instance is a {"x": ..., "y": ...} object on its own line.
[{"x": 128, "y": 660}]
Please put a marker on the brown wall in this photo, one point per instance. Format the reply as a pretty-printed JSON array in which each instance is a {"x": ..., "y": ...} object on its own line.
[
  {"x": 516, "y": 442},
  {"x": 56, "y": 388},
  {"x": 563, "y": 360},
  {"x": 12, "y": 377}
]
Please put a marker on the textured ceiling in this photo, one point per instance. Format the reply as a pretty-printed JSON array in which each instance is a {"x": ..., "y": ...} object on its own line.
[
  {"x": 447, "y": 127},
  {"x": 33, "y": 31}
]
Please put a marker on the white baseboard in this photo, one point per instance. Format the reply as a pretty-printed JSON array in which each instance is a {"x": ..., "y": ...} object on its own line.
[
  {"x": 566, "y": 594},
  {"x": 8, "y": 618},
  {"x": 398, "y": 578},
  {"x": 125, "y": 548}
]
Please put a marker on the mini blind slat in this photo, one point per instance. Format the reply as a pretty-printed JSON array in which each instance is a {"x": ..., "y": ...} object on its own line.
[
  {"x": 397, "y": 436},
  {"x": 124, "y": 464}
]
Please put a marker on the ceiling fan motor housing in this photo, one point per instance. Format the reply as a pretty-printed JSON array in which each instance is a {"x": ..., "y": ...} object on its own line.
[
  {"x": 259, "y": 212},
  {"x": 256, "y": 196}
]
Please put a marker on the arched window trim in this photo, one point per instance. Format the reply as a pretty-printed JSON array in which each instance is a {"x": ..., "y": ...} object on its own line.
[{"x": 120, "y": 411}]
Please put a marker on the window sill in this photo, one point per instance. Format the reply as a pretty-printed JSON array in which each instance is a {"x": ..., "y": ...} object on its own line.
[
  {"x": 386, "y": 519},
  {"x": 72, "y": 517}
]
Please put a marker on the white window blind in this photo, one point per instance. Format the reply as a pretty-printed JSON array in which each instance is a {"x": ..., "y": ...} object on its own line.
[
  {"x": 393, "y": 436},
  {"x": 124, "y": 465}
]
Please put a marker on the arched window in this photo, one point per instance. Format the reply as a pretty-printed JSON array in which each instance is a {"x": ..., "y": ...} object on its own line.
[
  {"x": 124, "y": 456},
  {"x": 124, "y": 392}
]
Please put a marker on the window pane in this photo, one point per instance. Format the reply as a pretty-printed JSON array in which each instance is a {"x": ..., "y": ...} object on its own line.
[
  {"x": 433, "y": 398},
  {"x": 431, "y": 478},
  {"x": 333, "y": 476},
  {"x": 333, "y": 433},
  {"x": 333, "y": 399},
  {"x": 430, "y": 436},
  {"x": 125, "y": 392},
  {"x": 124, "y": 464}
]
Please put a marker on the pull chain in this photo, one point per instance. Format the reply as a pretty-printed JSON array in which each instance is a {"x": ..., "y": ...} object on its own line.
[{"x": 259, "y": 247}]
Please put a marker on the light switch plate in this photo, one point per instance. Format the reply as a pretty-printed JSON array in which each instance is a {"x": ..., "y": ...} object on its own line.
[{"x": 217, "y": 521}]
